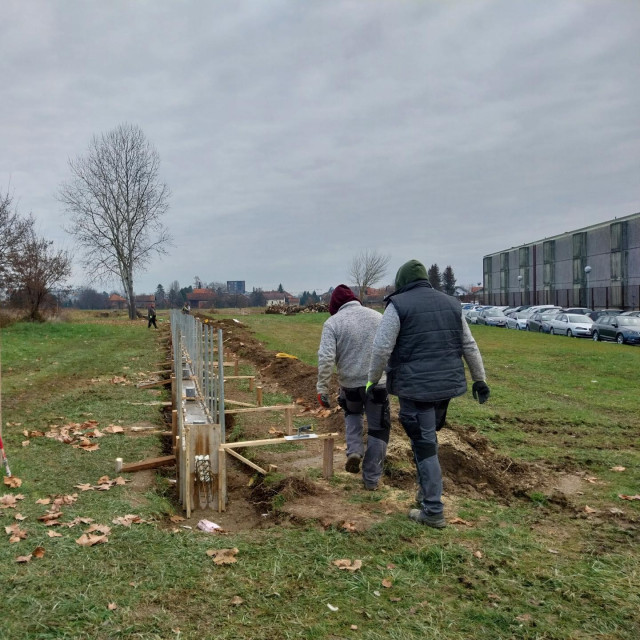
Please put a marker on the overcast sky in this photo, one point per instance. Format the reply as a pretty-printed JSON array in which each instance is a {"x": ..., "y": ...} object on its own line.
[{"x": 294, "y": 134}]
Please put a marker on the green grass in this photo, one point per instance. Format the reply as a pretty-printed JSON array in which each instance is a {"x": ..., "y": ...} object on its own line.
[{"x": 541, "y": 572}]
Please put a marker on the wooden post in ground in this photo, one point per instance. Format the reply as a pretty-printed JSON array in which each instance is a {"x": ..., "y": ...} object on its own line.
[
  {"x": 222, "y": 480},
  {"x": 251, "y": 383},
  {"x": 259, "y": 395},
  {"x": 327, "y": 459},
  {"x": 236, "y": 366},
  {"x": 174, "y": 427},
  {"x": 288, "y": 416},
  {"x": 118, "y": 465}
]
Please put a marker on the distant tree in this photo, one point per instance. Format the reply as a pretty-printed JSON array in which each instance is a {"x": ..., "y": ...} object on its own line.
[
  {"x": 116, "y": 202},
  {"x": 314, "y": 298},
  {"x": 13, "y": 232},
  {"x": 197, "y": 283},
  {"x": 161, "y": 297},
  {"x": 448, "y": 281},
  {"x": 434, "y": 277},
  {"x": 38, "y": 269},
  {"x": 175, "y": 297},
  {"x": 183, "y": 293},
  {"x": 367, "y": 268},
  {"x": 280, "y": 288},
  {"x": 304, "y": 298},
  {"x": 256, "y": 298},
  {"x": 89, "y": 298}
]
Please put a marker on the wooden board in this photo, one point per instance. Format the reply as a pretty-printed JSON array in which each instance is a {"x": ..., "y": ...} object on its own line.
[{"x": 149, "y": 463}]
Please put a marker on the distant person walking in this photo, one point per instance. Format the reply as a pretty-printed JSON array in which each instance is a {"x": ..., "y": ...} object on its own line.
[
  {"x": 421, "y": 342},
  {"x": 186, "y": 308},
  {"x": 151, "y": 316},
  {"x": 347, "y": 337}
]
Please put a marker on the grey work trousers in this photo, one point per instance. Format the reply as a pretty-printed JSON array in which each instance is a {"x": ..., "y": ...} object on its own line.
[
  {"x": 356, "y": 403},
  {"x": 419, "y": 422}
]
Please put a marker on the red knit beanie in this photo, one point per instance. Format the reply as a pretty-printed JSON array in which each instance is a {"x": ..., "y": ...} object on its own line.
[{"x": 341, "y": 295}]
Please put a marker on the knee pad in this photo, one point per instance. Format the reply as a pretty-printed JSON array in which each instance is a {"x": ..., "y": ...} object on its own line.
[{"x": 421, "y": 448}]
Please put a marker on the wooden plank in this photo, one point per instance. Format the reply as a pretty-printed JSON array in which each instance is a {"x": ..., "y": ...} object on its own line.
[
  {"x": 273, "y": 407},
  {"x": 235, "y": 454},
  {"x": 149, "y": 463},
  {"x": 239, "y": 378},
  {"x": 155, "y": 383},
  {"x": 222, "y": 480},
  {"x": 259, "y": 443},
  {"x": 259, "y": 396},
  {"x": 240, "y": 404},
  {"x": 288, "y": 415}
]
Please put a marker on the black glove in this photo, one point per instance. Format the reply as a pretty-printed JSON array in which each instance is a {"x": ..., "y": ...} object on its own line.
[
  {"x": 323, "y": 399},
  {"x": 480, "y": 391}
]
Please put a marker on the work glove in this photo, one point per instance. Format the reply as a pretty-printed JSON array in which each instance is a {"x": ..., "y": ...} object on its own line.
[
  {"x": 323, "y": 399},
  {"x": 480, "y": 391},
  {"x": 369, "y": 387}
]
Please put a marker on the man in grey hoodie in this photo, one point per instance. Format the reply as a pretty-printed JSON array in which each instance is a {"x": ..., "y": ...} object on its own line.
[
  {"x": 421, "y": 342},
  {"x": 346, "y": 342}
]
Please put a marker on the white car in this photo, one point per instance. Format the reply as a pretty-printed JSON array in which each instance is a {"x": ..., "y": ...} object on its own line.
[
  {"x": 517, "y": 320},
  {"x": 571, "y": 325}
]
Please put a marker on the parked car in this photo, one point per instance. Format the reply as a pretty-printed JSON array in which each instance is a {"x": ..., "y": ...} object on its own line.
[
  {"x": 492, "y": 317},
  {"x": 471, "y": 316},
  {"x": 571, "y": 325},
  {"x": 583, "y": 311},
  {"x": 539, "y": 321},
  {"x": 517, "y": 320},
  {"x": 621, "y": 329},
  {"x": 631, "y": 313},
  {"x": 594, "y": 315}
]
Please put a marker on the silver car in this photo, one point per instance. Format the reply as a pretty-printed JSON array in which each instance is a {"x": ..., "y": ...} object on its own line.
[
  {"x": 571, "y": 325},
  {"x": 517, "y": 320}
]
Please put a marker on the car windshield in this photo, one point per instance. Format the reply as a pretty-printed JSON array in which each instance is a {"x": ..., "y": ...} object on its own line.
[
  {"x": 493, "y": 312},
  {"x": 629, "y": 321},
  {"x": 576, "y": 318},
  {"x": 548, "y": 316}
]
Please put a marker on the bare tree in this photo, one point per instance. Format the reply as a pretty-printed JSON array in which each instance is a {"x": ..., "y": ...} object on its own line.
[
  {"x": 13, "y": 232},
  {"x": 367, "y": 268},
  {"x": 116, "y": 201},
  {"x": 39, "y": 268}
]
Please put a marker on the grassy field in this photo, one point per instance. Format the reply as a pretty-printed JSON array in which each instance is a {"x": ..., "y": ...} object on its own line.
[{"x": 529, "y": 569}]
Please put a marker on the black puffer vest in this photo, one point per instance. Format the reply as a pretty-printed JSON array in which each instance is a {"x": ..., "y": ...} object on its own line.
[{"x": 426, "y": 363}]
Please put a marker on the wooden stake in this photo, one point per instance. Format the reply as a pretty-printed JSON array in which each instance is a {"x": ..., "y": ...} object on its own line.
[
  {"x": 236, "y": 366},
  {"x": 266, "y": 441},
  {"x": 149, "y": 463},
  {"x": 288, "y": 416},
  {"x": 118, "y": 465},
  {"x": 259, "y": 395},
  {"x": 327, "y": 459},
  {"x": 235, "y": 454}
]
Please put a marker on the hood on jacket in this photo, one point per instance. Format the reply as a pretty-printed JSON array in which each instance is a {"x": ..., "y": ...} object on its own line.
[
  {"x": 410, "y": 272},
  {"x": 341, "y": 295}
]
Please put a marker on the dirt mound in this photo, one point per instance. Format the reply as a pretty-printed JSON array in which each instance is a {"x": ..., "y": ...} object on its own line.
[{"x": 470, "y": 466}]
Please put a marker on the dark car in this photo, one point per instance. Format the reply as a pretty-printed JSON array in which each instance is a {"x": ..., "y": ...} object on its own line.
[
  {"x": 594, "y": 315},
  {"x": 621, "y": 329},
  {"x": 539, "y": 321}
]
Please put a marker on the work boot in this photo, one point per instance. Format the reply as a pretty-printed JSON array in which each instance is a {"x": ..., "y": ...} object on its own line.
[
  {"x": 419, "y": 496},
  {"x": 370, "y": 487},
  {"x": 353, "y": 463},
  {"x": 435, "y": 520}
]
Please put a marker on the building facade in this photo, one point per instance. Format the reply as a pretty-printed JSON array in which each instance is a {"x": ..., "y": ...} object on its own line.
[{"x": 596, "y": 266}]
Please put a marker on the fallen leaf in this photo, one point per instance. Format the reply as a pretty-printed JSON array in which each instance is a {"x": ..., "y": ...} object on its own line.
[
  {"x": 43, "y": 501},
  {"x": 83, "y": 487},
  {"x": 12, "y": 482},
  {"x": 623, "y": 497},
  {"x": 38, "y": 552},
  {"x": 347, "y": 564},
  {"x": 223, "y": 556},
  {"x": 616, "y": 512},
  {"x": 386, "y": 583},
  {"x": 553, "y": 551},
  {"x": 104, "y": 480},
  {"x": 354, "y": 627},
  {"x": 349, "y": 526},
  {"x": 24, "y": 558},
  {"x": 176, "y": 518},
  {"x": 112, "y": 606},
  {"x": 460, "y": 521},
  {"x": 101, "y": 528},
  {"x": 376, "y": 593},
  {"x": 618, "y": 469},
  {"x": 54, "y": 534},
  {"x": 114, "y": 428},
  {"x": 20, "y": 517},
  {"x": 120, "y": 481},
  {"x": 89, "y": 540},
  {"x": 588, "y": 509},
  {"x": 128, "y": 520},
  {"x": 478, "y": 554},
  {"x": 236, "y": 600},
  {"x": 26, "y": 443},
  {"x": 592, "y": 480}
]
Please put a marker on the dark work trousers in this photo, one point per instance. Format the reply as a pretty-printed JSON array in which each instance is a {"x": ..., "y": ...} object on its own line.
[
  {"x": 356, "y": 403},
  {"x": 419, "y": 422},
  {"x": 152, "y": 321}
]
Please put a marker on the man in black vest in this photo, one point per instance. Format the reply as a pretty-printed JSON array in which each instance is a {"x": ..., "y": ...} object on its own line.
[{"x": 421, "y": 342}]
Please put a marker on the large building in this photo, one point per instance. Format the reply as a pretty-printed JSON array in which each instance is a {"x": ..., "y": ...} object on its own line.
[{"x": 596, "y": 266}]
